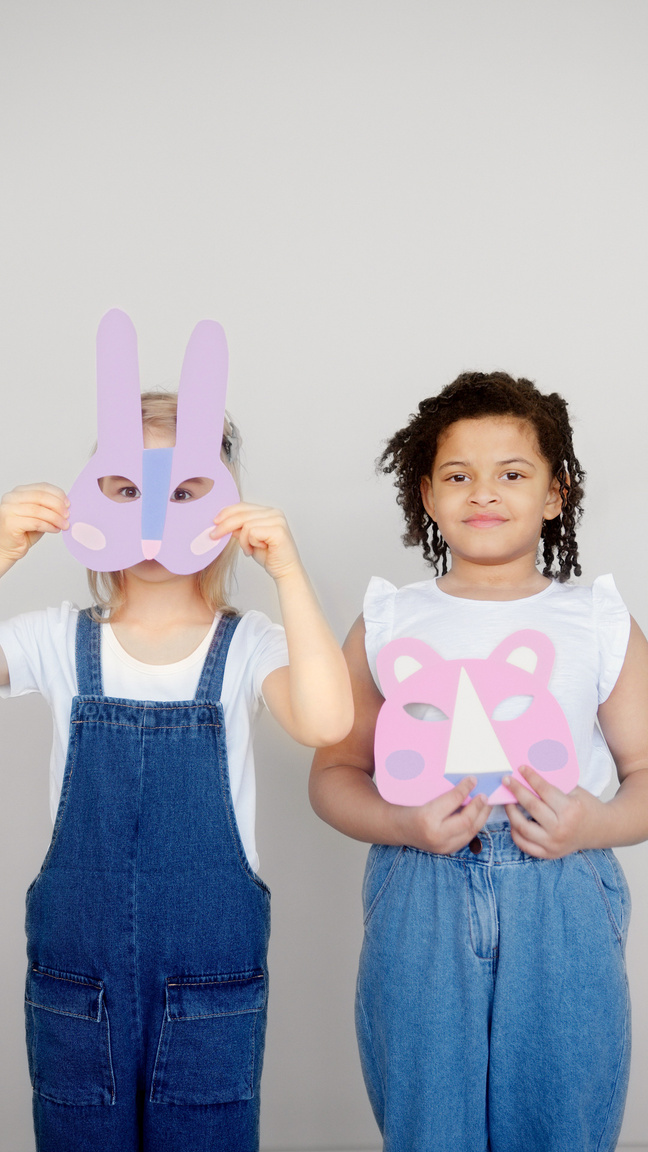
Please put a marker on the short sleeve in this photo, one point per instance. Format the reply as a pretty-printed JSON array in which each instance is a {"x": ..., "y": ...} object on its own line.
[
  {"x": 258, "y": 647},
  {"x": 378, "y": 611},
  {"x": 612, "y": 622},
  {"x": 39, "y": 650}
]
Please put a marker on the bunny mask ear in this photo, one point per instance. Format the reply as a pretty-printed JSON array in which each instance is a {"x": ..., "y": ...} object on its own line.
[{"x": 108, "y": 536}]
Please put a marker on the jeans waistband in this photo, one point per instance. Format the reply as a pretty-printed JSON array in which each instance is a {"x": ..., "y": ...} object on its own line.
[{"x": 493, "y": 845}]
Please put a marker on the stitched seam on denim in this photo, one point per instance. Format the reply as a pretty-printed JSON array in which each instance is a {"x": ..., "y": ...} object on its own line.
[
  {"x": 215, "y": 1015},
  {"x": 608, "y": 908},
  {"x": 157, "y": 1055},
  {"x": 622, "y": 885},
  {"x": 63, "y": 803},
  {"x": 626, "y": 1020},
  {"x": 495, "y": 918},
  {"x": 213, "y": 671},
  {"x": 109, "y": 1056},
  {"x": 69, "y": 979},
  {"x": 152, "y": 728},
  {"x": 60, "y": 1012},
  {"x": 371, "y": 1043},
  {"x": 68, "y": 1103},
  {"x": 253, "y": 1056},
  {"x": 199, "y": 982},
  {"x": 469, "y": 917},
  {"x": 235, "y": 834},
  {"x": 396, "y": 861},
  {"x": 136, "y": 874}
]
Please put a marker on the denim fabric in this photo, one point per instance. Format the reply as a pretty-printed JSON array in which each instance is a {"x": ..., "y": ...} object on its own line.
[
  {"x": 492, "y": 1005},
  {"x": 147, "y": 932}
]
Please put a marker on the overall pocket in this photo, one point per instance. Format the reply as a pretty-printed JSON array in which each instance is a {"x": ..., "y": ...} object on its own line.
[
  {"x": 68, "y": 1038},
  {"x": 210, "y": 1035}
]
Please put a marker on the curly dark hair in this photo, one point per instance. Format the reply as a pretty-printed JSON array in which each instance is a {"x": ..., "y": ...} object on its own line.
[{"x": 411, "y": 453}]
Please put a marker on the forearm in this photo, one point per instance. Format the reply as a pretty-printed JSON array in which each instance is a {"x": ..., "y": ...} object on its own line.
[
  {"x": 624, "y": 818},
  {"x": 348, "y": 800},
  {"x": 319, "y": 692}
]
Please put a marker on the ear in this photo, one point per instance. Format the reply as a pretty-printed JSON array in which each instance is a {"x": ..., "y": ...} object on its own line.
[
  {"x": 403, "y": 658},
  {"x": 119, "y": 407},
  {"x": 427, "y": 496},
  {"x": 203, "y": 388},
  {"x": 529, "y": 650},
  {"x": 553, "y": 503}
]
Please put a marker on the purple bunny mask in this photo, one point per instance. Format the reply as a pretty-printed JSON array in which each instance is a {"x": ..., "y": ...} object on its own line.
[{"x": 107, "y": 536}]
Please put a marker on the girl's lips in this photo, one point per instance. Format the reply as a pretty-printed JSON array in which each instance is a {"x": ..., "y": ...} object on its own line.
[{"x": 485, "y": 521}]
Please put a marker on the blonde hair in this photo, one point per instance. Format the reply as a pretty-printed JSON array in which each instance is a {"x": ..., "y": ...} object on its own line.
[{"x": 108, "y": 591}]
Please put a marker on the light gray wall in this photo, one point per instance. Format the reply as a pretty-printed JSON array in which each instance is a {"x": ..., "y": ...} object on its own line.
[{"x": 371, "y": 196}]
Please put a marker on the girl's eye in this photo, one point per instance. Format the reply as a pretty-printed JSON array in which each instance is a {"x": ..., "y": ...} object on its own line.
[
  {"x": 194, "y": 488},
  {"x": 458, "y": 477},
  {"x": 513, "y": 475},
  {"x": 130, "y": 493}
]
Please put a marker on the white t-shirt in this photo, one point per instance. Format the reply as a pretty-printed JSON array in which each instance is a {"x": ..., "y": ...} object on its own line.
[
  {"x": 588, "y": 627},
  {"x": 40, "y": 651}
]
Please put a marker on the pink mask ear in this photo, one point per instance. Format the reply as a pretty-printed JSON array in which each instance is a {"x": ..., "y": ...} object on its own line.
[
  {"x": 103, "y": 535},
  {"x": 400, "y": 659},
  {"x": 530, "y": 650},
  {"x": 187, "y": 545}
]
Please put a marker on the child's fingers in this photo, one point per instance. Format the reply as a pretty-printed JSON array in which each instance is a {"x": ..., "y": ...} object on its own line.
[
  {"x": 528, "y": 838},
  {"x": 34, "y": 518},
  {"x": 45, "y": 488},
  {"x": 543, "y": 796},
  {"x": 46, "y": 500},
  {"x": 451, "y": 801}
]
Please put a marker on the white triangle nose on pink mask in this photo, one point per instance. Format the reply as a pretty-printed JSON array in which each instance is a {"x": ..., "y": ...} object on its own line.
[{"x": 150, "y": 548}]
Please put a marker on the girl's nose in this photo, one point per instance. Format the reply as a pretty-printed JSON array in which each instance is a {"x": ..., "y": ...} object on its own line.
[{"x": 484, "y": 494}]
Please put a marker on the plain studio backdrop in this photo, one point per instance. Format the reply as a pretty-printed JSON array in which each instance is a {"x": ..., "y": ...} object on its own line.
[{"x": 371, "y": 196}]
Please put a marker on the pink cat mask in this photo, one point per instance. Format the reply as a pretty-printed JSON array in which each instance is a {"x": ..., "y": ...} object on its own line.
[
  {"x": 107, "y": 536},
  {"x": 446, "y": 719}
]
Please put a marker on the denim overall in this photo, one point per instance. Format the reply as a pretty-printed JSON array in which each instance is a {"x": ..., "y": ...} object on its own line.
[
  {"x": 492, "y": 1000},
  {"x": 147, "y": 931}
]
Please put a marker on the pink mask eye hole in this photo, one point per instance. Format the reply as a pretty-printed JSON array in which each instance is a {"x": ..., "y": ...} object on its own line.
[
  {"x": 511, "y": 707},
  {"x": 428, "y": 712},
  {"x": 192, "y": 490},
  {"x": 119, "y": 489}
]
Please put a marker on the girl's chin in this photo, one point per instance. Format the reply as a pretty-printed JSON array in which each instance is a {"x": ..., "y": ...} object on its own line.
[{"x": 151, "y": 570}]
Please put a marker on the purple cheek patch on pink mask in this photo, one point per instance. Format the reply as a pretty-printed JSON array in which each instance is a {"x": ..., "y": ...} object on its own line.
[
  {"x": 443, "y": 720},
  {"x": 108, "y": 536}
]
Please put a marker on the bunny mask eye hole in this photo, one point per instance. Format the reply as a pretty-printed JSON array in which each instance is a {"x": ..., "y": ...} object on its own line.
[
  {"x": 428, "y": 712},
  {"x": 193, "y": 489},
  {"x": 119, "y": 489}
]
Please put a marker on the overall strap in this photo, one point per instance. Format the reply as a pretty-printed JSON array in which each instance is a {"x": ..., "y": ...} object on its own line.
[
  {"x": 88, "y": 655},
  {"x": 211, "y": 678}
]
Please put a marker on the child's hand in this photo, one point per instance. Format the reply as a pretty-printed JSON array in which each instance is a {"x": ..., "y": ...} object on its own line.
[
  {"x": 25, "y": 514},
  {"x": 562, "y": 823},
  {"x": 263, "y": 534},
  {"x": 443, "y": 825}
]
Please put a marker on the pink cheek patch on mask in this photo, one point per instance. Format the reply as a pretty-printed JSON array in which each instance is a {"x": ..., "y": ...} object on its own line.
[
  {"x": 443, "y": 720},
  {"x": 108, "y": 535}
]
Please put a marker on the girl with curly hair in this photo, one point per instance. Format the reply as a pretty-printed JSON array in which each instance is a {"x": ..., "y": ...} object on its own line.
[{"x": 492, "y": 1007}]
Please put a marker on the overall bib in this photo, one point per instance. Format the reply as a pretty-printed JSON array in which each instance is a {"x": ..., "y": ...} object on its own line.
[{"x": 147, "y": 931}]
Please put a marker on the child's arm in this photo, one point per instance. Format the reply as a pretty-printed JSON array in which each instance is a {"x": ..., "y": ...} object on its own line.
[
  {"x": 344, "y": 795},
  {"x": 25, "y": 514},
  {"x": 567, "y": 823},
  {"x": 311, "y": 697}
]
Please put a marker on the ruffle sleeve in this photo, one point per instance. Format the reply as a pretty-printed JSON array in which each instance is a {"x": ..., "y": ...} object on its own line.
[
  {"x": 612, "y": 621},
  {"x": 378, "y": 611}
]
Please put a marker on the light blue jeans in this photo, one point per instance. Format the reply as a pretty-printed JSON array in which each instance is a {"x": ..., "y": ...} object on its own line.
[{"x": 492, "y": 1006}]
